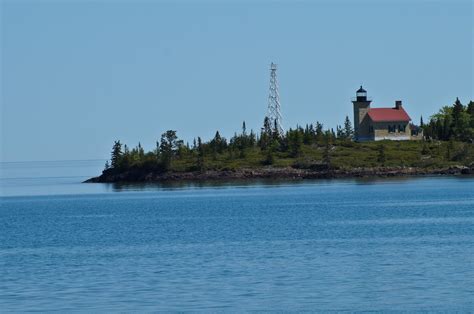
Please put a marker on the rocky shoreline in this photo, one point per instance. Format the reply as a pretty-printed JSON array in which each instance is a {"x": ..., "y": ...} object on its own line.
[{"x": 139, "y": 175}]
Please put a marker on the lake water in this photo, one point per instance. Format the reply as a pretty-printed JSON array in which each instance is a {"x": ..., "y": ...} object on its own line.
[{"x": 393, "y": 244}]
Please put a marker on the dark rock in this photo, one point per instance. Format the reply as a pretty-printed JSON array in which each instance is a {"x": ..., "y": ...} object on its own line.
[{"x": 295, "y": 173}]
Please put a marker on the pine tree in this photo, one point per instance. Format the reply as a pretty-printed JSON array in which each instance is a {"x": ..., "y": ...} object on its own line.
[
  {"x": 275, "y": 132},
  {"x": 340, "y": 132},
  {"x": 348, "y": 130},
  {"x": 252, "y": 139},
  {"x": 265, "y": 134},
  {"x": 458, "y": 108},
  {"x": 125, "y": 160},
  {"x": 319, "y": 132},
  {"x": 116, "y": 155},
  {"x": 168, "y": 147},
  {"x": 457, "y": 125},
  {"x": 295, "y": 142},
  {"x": 270, "y": 153},
  {"x": 470, "y": 111},
  {"x": 141, "y": 152},
  {"x": 216, "y": 145},
  {"x": 200, "y": 157}
]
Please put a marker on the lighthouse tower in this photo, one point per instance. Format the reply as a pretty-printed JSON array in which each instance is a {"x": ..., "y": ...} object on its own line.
[{"x": 361, "y": 108}]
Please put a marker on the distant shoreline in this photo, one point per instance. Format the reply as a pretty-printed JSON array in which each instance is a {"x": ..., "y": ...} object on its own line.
[{"x": 139, "y": 176}]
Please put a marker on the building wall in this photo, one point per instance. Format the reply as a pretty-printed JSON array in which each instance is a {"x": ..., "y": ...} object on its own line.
[
  {"x": 361, "y": 124},
  {"x": 365, "y": 131},
  {"x": 381, "y": 131}
]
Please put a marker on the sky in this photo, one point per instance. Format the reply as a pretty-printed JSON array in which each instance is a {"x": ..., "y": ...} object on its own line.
[{"x": 77, "y": 75}]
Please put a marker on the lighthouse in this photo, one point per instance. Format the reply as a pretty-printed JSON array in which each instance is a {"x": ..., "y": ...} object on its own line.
[{"x": 361, "y": 108}]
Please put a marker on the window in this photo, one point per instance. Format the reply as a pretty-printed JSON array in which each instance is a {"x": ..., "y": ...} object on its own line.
[
  {"x": 371, "y": 129},
  {"x": 401, "y": 128}
]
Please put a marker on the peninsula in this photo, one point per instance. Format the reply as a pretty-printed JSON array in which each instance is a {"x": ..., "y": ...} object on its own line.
[{"x": 446, "y": 147}]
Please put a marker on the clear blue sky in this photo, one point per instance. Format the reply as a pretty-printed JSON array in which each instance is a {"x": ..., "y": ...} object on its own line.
[{"x": 77, "y": 75}]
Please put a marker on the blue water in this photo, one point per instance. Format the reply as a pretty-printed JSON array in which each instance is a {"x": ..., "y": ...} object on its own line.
[{"x": 393, "y": 244}]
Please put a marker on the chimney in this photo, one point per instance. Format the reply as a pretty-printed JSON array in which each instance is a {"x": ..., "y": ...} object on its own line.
[{"x": 398, "y": 104}]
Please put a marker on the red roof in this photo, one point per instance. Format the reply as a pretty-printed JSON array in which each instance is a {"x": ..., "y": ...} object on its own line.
[{"x": 388, "y": 114}]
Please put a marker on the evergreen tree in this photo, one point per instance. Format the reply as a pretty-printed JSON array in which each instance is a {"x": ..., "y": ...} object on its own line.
[
  {"x": 126, "y": 157},
  {"x": 458, "y": 121},
  {"x": 265, "y": 134},
  {"x": 470, "y": 112},
  {"x": 200, "y": 157},
  {"x": 458, "y": 109},
  {"x": 270, "y": 153},
  {"x": 348, "y": 130},
  {"x": 275, "y": 133},
  {"x": 168, "y": 146},
  {"x": 216, "y": 145},
  {"x": 107, "y": 165},
  {"x": 267, "y": 128},
  {"x": 319, "y": 132},
  {"x": 308, "y": 136},
  {"x": 421, "y": 122},
  {"x": 252, "y": 139},
  {"x": 141, "y": 152},
  {"x": 116, "y": 155},
  {"x": 295, "y": 142},
  {"x": 340, "y": 132}
]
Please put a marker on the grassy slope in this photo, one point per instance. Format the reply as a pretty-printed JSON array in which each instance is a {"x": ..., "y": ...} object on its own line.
[{"x": 347, "y": 156}]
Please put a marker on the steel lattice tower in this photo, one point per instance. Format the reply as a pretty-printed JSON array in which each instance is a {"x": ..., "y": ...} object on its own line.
[{"x": 273, "y": 113}]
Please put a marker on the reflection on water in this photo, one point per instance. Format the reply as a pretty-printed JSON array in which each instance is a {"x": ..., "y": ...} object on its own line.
[{"x": 66, "y": 177}]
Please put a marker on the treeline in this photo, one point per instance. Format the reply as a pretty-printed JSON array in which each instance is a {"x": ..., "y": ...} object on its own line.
[
  {"x": 454, "y": 122},
  {"x": 311, "y": 144},
  {"x": 267, "y": 144}
]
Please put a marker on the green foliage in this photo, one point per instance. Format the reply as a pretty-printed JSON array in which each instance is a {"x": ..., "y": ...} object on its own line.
[
  {"x": 266, "y": 136},
  {"x": 116, "y": 155},
  {"x": 425, "y": 150},
  {"x": 168, "y": 146},
  {"x": 449, "y": 150},
  {"x": 348, "y": 130},
  {"x": 381, "y": 157},
  {"x": 295, "y": 141},
  {"x": 448, "y": 133},
  {"x": 456, "y": 121},
  {"x": 200, "y": 155},
  {"x": 327, "y": 149}
]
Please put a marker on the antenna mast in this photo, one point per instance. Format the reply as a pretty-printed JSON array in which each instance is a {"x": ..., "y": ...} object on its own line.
[{"x": 274, "y": 114}]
